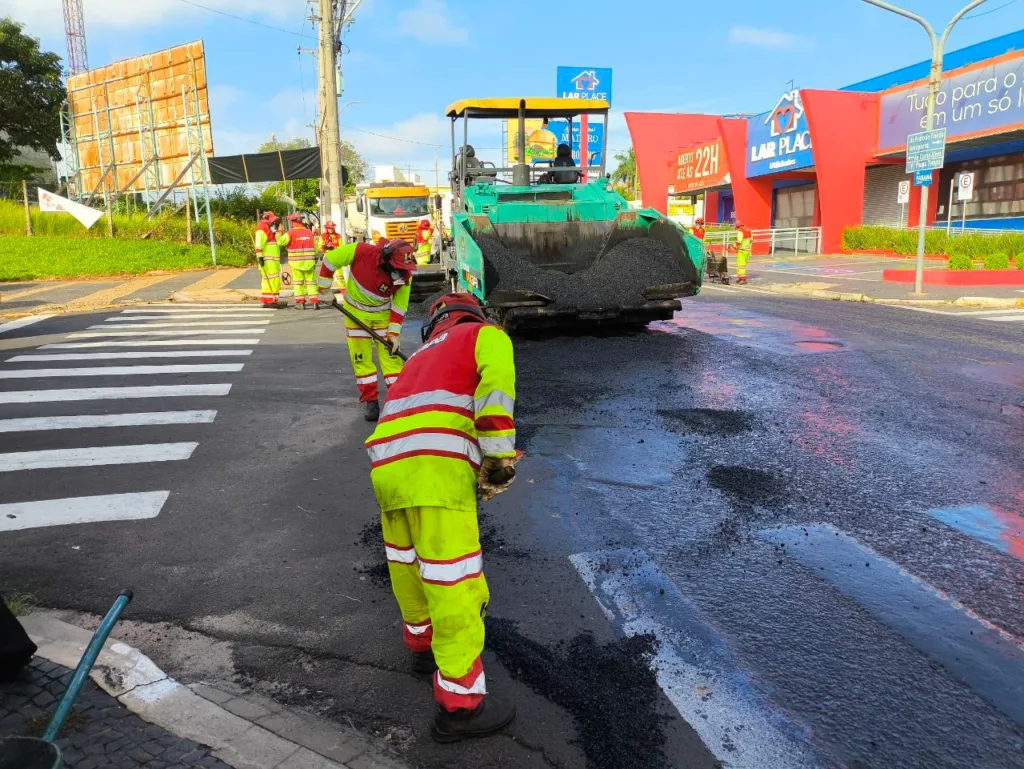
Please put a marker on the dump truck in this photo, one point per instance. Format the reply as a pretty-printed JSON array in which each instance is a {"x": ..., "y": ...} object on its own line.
[{"x": 550, "y": 245}]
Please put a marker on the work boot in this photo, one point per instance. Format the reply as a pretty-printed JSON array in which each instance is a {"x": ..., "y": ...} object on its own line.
[
  {"x": 423, "y": 664},
  {"x": 492, "y": 715},
  {"x": 300, "y": 306},
  {"x": 372, "y": 411},
  {"x": 742, "y": 280}
]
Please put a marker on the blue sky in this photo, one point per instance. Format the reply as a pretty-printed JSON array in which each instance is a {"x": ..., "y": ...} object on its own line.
[{"x": 407, "y": 59}]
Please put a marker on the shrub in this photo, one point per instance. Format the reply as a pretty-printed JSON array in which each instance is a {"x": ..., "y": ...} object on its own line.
[
  {"x": 904, "y": 241},
  {"x": 997, "y": 261},
  {"x": 960, "y": 262}
]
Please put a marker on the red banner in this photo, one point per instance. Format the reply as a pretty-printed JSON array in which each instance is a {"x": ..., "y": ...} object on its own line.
[{"x": 700, "y": 167}]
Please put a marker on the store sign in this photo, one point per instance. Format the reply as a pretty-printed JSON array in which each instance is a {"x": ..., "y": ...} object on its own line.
[
  {"x": 700, "y": 167},
  {"x": 779, "y": 140},
  {"x": 983, "y": 100},
  {"x": 595, "y": 139},
  {"x": 585, "y": 83},
  {"x": 965, "y": 187}
]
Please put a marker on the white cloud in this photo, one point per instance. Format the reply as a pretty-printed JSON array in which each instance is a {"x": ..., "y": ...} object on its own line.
[
  {"x": 767, "y": 38},
  {"x": 431, "y": 22}
]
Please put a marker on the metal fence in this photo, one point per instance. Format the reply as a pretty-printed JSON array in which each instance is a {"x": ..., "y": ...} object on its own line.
[{"x": 795, "y": 240}]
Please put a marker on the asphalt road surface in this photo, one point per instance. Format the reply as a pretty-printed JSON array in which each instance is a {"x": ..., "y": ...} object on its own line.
[{"x": 771, "y": 533}]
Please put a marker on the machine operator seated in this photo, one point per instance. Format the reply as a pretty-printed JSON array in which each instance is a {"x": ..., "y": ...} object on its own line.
[
  {"x": 563, "y": 159},
  {"x": 472, "y": 162}
]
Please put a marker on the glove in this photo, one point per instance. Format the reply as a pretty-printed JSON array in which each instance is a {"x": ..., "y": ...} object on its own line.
[
  {"x": 259, "y": 261},
  {"x": 496, "y": 476},
  {"x": 395, "y": 343}
]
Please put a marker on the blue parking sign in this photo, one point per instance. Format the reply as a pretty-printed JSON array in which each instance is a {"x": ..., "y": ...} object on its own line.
[
  {"x": 585, "y": 83},
  {"x": 922, "y": 178}
]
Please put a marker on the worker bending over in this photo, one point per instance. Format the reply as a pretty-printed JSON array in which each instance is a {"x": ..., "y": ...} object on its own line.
[
  {"x": 301, "y": 244},
  {"x": 376, "y": 292},
  {"x": 446, "y": 431},
  {"x": 268, "y": 259}
]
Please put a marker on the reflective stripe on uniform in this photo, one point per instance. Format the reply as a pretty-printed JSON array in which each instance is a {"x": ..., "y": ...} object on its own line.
[
  {"x": 492, "y": 446},
  {"x": 367, "y": 291},
  {"x": 366, "y": 307},
  {"x": 397, "y": 554},
  {"x": 496, "y": 398},
  {"x": 478, "y": 686},
  {"x": 435, "y": 442},
  {"x": 390, "y": 380},
  {"x": 418, "y": 629},
  {"x": 366, "y": 379},
  {"x": 442, "y": 399},
  {"x": 358, "y": 333},
  {"x": 452, "y": 571}
]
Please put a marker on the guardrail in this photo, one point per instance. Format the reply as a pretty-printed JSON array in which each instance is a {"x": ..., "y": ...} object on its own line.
[{"x": 797, "y": 240}]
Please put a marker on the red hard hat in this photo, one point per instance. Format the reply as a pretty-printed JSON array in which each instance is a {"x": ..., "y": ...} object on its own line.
[
  {"x": 399, "y": 254},
  {"x": 269, "y": 216},
  {"x": 700, "y": 220},
  {"x": 450, "y": 310},
  {"x": 296, "y": 217},
  {"x": 329, "y": 226},
  {"x": 424, "y": 222}
]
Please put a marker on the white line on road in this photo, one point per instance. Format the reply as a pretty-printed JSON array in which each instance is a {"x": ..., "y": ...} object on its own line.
[
  {"x": 1005, "y": 318},
  {"x": 184, "y": 316},
  {"x": 148, "y": 343},
  {"x": 114, "y": 393},
  {"x": 97, "y": 455},
  {"x": 196, "y": 324},
  {"x": 61, "y": 512},
  {"x": 22, "y": 322},
  {"x": 83, "y": 421},
  {"x": 128, "y": 355},
  {"x": 84, "y": 334},
  {"x": 43, "y": 373},
  {"x": 165, "y": 307}
]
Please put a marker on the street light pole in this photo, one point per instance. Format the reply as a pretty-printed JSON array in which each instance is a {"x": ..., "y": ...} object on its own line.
[{"x": 934, "y": 84}]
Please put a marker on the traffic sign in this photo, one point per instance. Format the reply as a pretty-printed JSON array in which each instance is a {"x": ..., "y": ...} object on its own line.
[
  {"x": 585, "y": 83},
  {"x": 926, "y": 151},
  {"x": 923, "y": 179},
  {"x": 965, "y": 186},
  {"x": 903, "y": 196}
]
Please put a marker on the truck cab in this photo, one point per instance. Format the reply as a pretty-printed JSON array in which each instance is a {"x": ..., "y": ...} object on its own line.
[{"x": 392, "y": 210}]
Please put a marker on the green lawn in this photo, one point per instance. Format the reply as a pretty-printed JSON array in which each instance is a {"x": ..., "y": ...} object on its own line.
[{"x": 35, "y": 258}]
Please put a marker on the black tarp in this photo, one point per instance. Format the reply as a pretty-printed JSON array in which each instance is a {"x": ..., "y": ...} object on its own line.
[{"x": 281, "y": 166}]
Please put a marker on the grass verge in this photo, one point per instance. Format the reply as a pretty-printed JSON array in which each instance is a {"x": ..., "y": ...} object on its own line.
[
  {"x": 40, "y": 257},
  {"x": 21, "y": 604}
]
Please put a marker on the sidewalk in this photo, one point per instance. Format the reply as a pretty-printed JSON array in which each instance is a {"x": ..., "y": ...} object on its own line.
[
  {"x": 62, "y": 296},
  {"x": 859, "y": 278},
  {"x": 132, "y": 715}
]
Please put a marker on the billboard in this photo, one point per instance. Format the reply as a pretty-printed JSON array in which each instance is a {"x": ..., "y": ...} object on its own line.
[
  {"x": 779, "y": 140},
  {"x": 125, "y": 113},
  {"x": 984, "y": 98},
  {"x": 584, "y": 83},
  {"x": 543, "y": 138},
  {"x": 700, "y": 167}
]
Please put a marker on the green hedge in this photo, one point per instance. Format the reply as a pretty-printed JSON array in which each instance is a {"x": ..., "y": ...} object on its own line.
[
  {"x": 998, "y": 261},
  {"x": 961, "y": 262},
  {"x": 42, "y": 256},
  {"x": 902, "y": 241}
]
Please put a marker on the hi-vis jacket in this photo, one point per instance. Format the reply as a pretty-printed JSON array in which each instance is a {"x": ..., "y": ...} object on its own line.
[
  {"x": 451, "y": 407},
  {"x": 301, "y": 244},
  {"x": 371, "y": 290},
  {"x": 744, "y": 240},
  {"x": 265, "y": 242}
]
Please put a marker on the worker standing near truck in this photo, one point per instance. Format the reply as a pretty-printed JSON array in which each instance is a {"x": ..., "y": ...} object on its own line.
[
  {"x": 424, "y": 242},
  {"x": 301, "y": 244},
  {"x": 268, "y": 258},
  {"x": 744, "y": 244},
  {"x": 446, "y": 435},
  {"x": 376, "y": 292}
]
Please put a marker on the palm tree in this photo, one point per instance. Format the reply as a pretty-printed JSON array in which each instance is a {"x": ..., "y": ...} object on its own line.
[{"x": 625, "y": 172}]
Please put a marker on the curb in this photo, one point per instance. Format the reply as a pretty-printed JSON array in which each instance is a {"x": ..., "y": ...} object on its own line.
[
  {"x": 244, "y": 730},
  {"x": 840, "y": 296}
]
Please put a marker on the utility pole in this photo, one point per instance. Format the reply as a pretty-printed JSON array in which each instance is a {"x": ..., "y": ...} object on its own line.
[
  {"x": 934, "y": 86},
  {"x": 329, "y": 137}
]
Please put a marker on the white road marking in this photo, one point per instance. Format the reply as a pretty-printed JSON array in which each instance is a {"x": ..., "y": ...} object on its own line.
[
  {"x": 128, "y": 355},
  {"x": 148, "y": 343},
  {"x": 188, "y": 315},
  {"x": 212, "y": 307},
  {"x": 85, "y": 334},
  {"x": 43, "y": 373},
  {"x": 83, "y": 421},
  {"x": 61, "y": 512},
  {"x": 1006, "y": 318},
  {"x": 997, "y": 315},
  {"x": 97, "y": 455},
  {"x": 114, "y": 393},
  {"x": 196, "y": 324},
  {"x": 22, "y": 322}
]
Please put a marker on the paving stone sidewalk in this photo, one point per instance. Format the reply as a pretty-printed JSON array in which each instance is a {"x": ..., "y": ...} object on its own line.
[{"x": 100, "y": 732}]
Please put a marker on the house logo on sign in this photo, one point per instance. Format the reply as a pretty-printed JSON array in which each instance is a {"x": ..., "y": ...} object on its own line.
[
  {"x": 786, "y": 115},
  {"x": 586, "y": 81}
]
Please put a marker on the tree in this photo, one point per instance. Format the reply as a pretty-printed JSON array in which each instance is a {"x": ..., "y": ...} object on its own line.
[
  {"x": 625, "y": 172},
  {"x": 308, "y": 190},
  {"x": 31, "y": 94},
  {"x": 358, "y": 170}
]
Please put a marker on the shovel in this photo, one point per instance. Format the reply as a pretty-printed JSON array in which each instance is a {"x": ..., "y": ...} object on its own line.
[{"x": 341, "y": 308}]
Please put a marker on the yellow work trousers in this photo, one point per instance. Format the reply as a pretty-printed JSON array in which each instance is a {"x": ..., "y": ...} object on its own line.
[
  {"x": 742, "y": 257},
  {"x": 304, "y": 283},
  {"x": 437, "y": 576},
  {"x": 423, "y": 253},
  {"x": 360, "y": 351},
  {"x": 270, "y": 279}
]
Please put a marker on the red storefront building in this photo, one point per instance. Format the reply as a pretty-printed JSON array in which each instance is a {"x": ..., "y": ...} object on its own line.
[{"x": 835, "y": 159}]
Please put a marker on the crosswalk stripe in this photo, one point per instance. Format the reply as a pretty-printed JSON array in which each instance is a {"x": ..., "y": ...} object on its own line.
[
  {"x": 69, "y": 356},
  {"x": 231, "y": 307},
  {"x": 148, "y": 343},
  {"x": 186, "y": 316},
  {"x": 22, "y": 322},
  {"x": 61, "y": 512},
  {"x": 43, "y": 373},
  {"x": 982, "y": 655},
  {"x": 84, "y": 421},
  {"x": 216, "y": 279},
  {"x": 96, "y": 455},
  {"x": 108, "y": 295},
  {"x": 165, "y": 332},
  {"x": 114, "y": 393},
  {"x": 187, "y": 324}
]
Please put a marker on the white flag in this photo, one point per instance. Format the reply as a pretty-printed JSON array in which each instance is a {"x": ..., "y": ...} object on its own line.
[{"x": 55, "y": 203}]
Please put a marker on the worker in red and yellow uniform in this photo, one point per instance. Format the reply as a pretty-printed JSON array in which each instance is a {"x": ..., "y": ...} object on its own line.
[
  {"x": 698, "y": 229},
  {"x": 376, "y": 292},
  {"x": 301, "y": 244},
  {"x": 744, "y": 243},
  {"x": 268, "y": 258},
  {"x": 446, "y": 434},
  {"x": 424, "y": 242}
]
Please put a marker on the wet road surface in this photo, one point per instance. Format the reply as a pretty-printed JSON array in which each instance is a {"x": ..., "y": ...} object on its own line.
[{"x": 770, "y": 533}]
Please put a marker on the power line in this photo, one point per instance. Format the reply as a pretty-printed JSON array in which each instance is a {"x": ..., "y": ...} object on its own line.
[
  {"x": 986, "y": 13},
  {"x": 392, "y": 138},
  {"x": 242, "y": 18}
]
